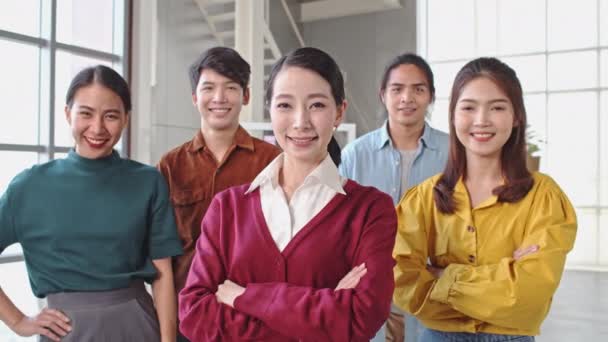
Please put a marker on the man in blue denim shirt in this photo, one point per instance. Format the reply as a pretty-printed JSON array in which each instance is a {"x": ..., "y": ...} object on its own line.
[{"x": 402, "y": 153}]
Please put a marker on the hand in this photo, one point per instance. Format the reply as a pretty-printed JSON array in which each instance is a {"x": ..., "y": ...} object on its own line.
[
  {"x": 49, "y": 322},
  {"x": 227, "y": 293},
  {"x": 522, "y": 252},
  {"x": 437, "y": 272},
  {"x": 352, "y": 278}
]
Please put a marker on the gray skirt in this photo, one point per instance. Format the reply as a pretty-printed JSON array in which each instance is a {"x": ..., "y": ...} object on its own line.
[{"x": 123, "y": 315}]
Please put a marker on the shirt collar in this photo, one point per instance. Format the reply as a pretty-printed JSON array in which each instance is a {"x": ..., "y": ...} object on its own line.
[
  {"x": 241, "y": 139},
  {"x": 463, "y": 202},
  {"x": 325, "y": 173},
  {"x": 427, "y": 138},
  {"x": 384, "y": 138}
]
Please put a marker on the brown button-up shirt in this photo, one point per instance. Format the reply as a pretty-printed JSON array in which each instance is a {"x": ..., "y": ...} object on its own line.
[{"x": 194, "y": 177}]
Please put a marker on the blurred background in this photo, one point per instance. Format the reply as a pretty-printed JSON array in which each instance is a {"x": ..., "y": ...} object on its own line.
[{"x": 559, "y": 49}]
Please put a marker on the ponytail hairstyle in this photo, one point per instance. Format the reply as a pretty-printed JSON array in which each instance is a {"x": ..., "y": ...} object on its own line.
[
  {"x": 518, "y": 180},
  {"x": 325, "y": 66},
  {"x": 102, "y": 75}
]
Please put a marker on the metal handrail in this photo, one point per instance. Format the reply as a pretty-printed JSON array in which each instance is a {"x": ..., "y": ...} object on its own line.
[{"x": 292, "y": 21}]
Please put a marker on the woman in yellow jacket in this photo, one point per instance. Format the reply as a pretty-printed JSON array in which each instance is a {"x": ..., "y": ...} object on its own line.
[{"x": 481, "y": 247}]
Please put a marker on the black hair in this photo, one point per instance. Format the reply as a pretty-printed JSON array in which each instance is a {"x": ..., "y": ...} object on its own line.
[
  {"x": 413, "y": 59},
  {"x": 223, "y": 60},
  {"x": 104, "y": 76},
  {"x": 325, "y": 66}
]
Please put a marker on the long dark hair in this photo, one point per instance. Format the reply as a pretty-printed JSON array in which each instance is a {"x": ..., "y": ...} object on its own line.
[
  {"x": 321, "y": 63},
  {"x": 413, "y": 59},
  {"x": 518, "y": 180},
  {"x": 104, "y": 76}
]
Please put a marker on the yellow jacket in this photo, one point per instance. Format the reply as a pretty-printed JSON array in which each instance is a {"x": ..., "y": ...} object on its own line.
[{"x": 482, "y": 289}]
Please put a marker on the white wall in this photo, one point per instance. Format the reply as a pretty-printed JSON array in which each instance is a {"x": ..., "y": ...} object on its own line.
[
  {"x": 163, "y": 115},
  {"x": 363, "y": 45}
]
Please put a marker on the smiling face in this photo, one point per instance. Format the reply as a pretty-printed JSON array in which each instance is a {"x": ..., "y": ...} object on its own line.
[
  {"x": 219, "y": 100},
  {"x": 97, "y": 117},
  {"x": 483, "y": 118},
  {"x": 406, "y": 96},
  {"x": 303, "y": 113}
]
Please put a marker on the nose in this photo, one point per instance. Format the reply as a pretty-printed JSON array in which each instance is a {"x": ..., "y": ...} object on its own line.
[
  {"x": 407, "y": 95},
  {"x": 219, "y": 95},
  {"x": 482, "y": 117},
  {"x": 98, "y": 125},
  {"x": 301, "y": 119}
]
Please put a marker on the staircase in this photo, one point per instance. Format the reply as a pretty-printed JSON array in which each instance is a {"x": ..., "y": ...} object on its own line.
[{"x": 220, "y": 16}]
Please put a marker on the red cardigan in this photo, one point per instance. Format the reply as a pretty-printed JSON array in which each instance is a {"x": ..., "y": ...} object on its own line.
[{"x": 290, "y": 295}]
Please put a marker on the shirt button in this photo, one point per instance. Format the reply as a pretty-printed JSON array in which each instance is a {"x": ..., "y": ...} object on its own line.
[
  {"x": 397, "y": 163},
  {"x": 471, "y": 258},
  {"x": 471, "y": 229}
]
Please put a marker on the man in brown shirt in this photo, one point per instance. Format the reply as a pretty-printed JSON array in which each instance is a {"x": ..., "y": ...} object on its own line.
[{"x": 222, "y": 154}]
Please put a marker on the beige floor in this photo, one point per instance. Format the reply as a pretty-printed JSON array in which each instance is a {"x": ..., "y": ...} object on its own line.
[{"x": 580, "y": 309}]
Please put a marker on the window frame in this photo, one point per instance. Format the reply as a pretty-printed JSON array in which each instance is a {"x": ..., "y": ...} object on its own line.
[
  {"x": 598, "y": 209},
  {"x": 46, "y": 148}
]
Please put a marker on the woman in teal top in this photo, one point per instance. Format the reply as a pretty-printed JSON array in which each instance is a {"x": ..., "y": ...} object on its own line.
[{"x": 93, "y": 228}]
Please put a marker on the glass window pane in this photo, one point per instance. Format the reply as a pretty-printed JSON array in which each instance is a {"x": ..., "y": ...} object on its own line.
[
  {"x": 531, "y": 71},
  {"x": 585, "y": 251},
  {"x": 603, "y": 238},
  {"x": 604, "y": 148},
  {"x": 86, "y": 23},
  {"x": 573, "y": 70},
  {"x": 572, "y": 138},
  {"x": 20, "y": 16},
  {"x": 603, "y": 22},
  {"x": 444, "y": 74},
  {"x": 536, "y": 107},
  {"x": 451, "y": 29},
  {"x": 487, "y": 30},
  {"x": 440, "y": 116},
  {"x": 604, "y": 68},
  {"x": 60, "y": 155},
  {"x": 521, "y": 26},
  {"x": 13, "y": 163},
  {"x": 19, "y": 89},
  {"x": 68, "y": 65},
  {"x": 572, "y": 26},
  {"x": 15, "y": 283},
  {"x": 13, "y": 249}
]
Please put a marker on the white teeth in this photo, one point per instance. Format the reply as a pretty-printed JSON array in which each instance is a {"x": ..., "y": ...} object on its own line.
[
  {"x": 96, "y": 141},
  {"x": 220, "y": 110},
  {"x": 482, "y": 135},
  {"x": 301, "y": 139}
]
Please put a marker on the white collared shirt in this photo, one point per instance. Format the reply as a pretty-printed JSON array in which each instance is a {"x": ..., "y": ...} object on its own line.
[{"x": 285, "y": 219}]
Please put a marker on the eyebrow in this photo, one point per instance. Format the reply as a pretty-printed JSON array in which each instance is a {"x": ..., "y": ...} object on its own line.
[
  {"x": 310, "y": 96},
  {"x": 214, "y": 83},
  {"x": 396, "y": 84},
  {"x": 111, "y": 110},
  {"x": 491, "y": 102}
]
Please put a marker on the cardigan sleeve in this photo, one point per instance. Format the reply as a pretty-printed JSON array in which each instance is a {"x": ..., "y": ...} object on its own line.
[
  {"x": 515, "y": 294},
  {"x": 202, "y": 317},
  {"x": 325, "y": 314}
]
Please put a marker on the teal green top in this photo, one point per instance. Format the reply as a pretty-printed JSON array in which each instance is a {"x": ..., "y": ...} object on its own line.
[{"x": 88, "y": 224}]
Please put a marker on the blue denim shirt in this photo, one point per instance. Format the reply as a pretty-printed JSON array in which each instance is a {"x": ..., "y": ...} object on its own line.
[{"x": 372, "y": 160}]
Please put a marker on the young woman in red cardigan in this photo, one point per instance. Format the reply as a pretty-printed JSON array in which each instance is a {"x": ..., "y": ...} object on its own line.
[{"x": 300, "y": 254}]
